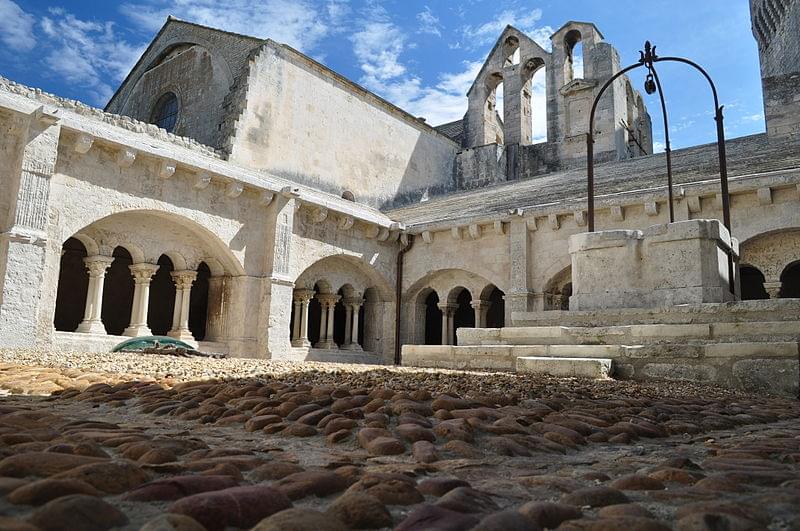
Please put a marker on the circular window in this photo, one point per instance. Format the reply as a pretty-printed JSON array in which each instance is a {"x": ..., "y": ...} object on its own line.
[
  {"x": 165, "y": 113},
  {"x": 348, "y": 195}
]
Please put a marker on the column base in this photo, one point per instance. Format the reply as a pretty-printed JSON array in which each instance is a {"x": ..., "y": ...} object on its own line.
[
  {"x": 327, "y": 345},
  {"x": 137, "y": 331},
  {"x": 301, "y": 343},
  {"x": 91, "y": 327},
  {"x": 353, "y": 346},
  {"x": 182, "y": 335}
]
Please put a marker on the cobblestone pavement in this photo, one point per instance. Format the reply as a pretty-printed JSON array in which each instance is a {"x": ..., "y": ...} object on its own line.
[{"x": 280, "y": 446}]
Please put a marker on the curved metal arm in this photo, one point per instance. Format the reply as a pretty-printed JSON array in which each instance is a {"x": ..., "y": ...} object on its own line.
[{"x": 648, "y": 58}]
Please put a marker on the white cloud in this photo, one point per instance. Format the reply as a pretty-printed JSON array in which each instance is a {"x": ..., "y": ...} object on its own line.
[
  {"x": 16, "y": 27},
  {"x": 488, "y": 32},
  {"x": 659, "y": 147},
  {"x": 377, "y": 47},
  {"x": 87, "y": 53},
  {"x": 428, "y": 22},
  {"x": 298, "y": 23}
]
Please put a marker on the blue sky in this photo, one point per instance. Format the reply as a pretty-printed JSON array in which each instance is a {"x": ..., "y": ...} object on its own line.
[{"x": 421, "y": 55}]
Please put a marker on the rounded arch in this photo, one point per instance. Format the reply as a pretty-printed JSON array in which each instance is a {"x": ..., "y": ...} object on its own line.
[
  {"x": 340, "y": 270},
  {"x": 771, "y": 251},
  {"x": 118, "y": 292},
  {"x": 90, "y": 246},
  {"x": 454, "y": 294},
  {"x": 146, "y": 234},
  {"x": 444, "y": 280},
  {"x": 160, "y": 314},
  {"x": 429, "y": 331}
]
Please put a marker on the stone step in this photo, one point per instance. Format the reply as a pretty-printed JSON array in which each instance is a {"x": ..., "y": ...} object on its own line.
[
  {"x": 565, "y": 367},
  {"x": 635, "y": 334}
]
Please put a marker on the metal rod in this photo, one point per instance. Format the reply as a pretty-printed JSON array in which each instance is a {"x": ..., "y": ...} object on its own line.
[{"x": 668, "y": 147}]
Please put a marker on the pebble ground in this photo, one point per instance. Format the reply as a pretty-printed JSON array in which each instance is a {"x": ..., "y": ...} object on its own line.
[{"x": 125, "y": 441}]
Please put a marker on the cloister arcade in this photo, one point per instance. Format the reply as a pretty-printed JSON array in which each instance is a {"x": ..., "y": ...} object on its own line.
[
  {"x": 115, "y": 279},
  {"x": 340, "y": 303},
  {"x": 770, "y": 268},
  {"x": 448, "y": 300}
]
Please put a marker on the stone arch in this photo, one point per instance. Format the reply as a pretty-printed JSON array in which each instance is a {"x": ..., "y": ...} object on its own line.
[
  {"x": 429, "y": 317},
  {"x": 491, "y": 308},
  {"x": 511, "y": 50},
  {"x": 463, "y": 314}
]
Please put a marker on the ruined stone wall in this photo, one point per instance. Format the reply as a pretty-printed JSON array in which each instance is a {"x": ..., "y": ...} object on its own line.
[{"x": 307, "y": 124}]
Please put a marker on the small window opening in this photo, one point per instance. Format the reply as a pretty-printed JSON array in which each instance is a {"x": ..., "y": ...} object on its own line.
[
  {"x": 165, "y": 114},
  {"x": 348, "y": 195}
]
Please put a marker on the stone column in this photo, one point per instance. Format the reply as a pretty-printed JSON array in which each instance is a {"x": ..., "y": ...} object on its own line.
[
  {"x": 216, "y": 329},
  {"x": 481, "y": 309},
  {"x": 142, "y": 275},
  {"x": 92, "y": 321},
  {"x": 351, "y": 335},
  {"x": 773, "y": 289},
  {"x": 298, "y": 312},
  {"x": 326, "y": 322},
  {"x": 348, "y": 337},
  {"x": 302, "y": 298},
  {"x": 180, "y": 315},
  {"x": 448, "y": 315}
]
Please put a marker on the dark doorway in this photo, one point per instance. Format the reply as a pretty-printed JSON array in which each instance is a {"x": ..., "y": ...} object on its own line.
[
  {"x": 433, "y": 320},
  {"x": 198, "y": 303},
  {"x": 162, "y": 298},
  {"x": 73, "y": 283},
  {"x": 465, "y": 314},
  {"x": 752, "y": 282},
  {"x": 118, "y": 293},
  {"x": 496, "y": 315},
  {"x": 790, "y": 281}
]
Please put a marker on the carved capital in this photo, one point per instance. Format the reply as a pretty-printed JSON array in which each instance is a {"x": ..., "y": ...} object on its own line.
[
  {"x": 97, "y": 265},
  {"x": 143, "y": 273},
  {"x": 83, "y": 143},
  {"x": 183, "y": 279},
  {"x": 303, "y": 295}
]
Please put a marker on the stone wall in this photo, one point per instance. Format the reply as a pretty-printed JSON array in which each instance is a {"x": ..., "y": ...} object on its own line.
[{"x": 340, "y": 137}]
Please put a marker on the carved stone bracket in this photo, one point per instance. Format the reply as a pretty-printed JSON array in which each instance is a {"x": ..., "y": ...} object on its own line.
[
  {"x": 166, "y": 168},
  {"x": 234, "y": 189},
  {"x": 318, "y": 215},
  {"x": 617, "y": 213},
  {"x": 427, "y": 236},
  {"x": 126, "y": 157},
  {"x": 580, "y": 217},
  {"x": 266, "y": 197},
  {"x": 694, "y": 204},
  {"x": 202, "y": 181},
  {"x": 84, "y": 143},
  {"x": 346, "y": 222},
  {"x": 651, "y": 208},
  {"x": 552, "y": 219}
]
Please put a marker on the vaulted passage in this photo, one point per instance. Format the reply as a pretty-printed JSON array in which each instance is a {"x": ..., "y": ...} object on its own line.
[
  {"x": 752, "y": 282},
  {"x": 73, "y": 281}
]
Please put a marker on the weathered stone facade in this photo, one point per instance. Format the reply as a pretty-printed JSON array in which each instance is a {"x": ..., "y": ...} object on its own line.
[{"x": 289, "y": 213}]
